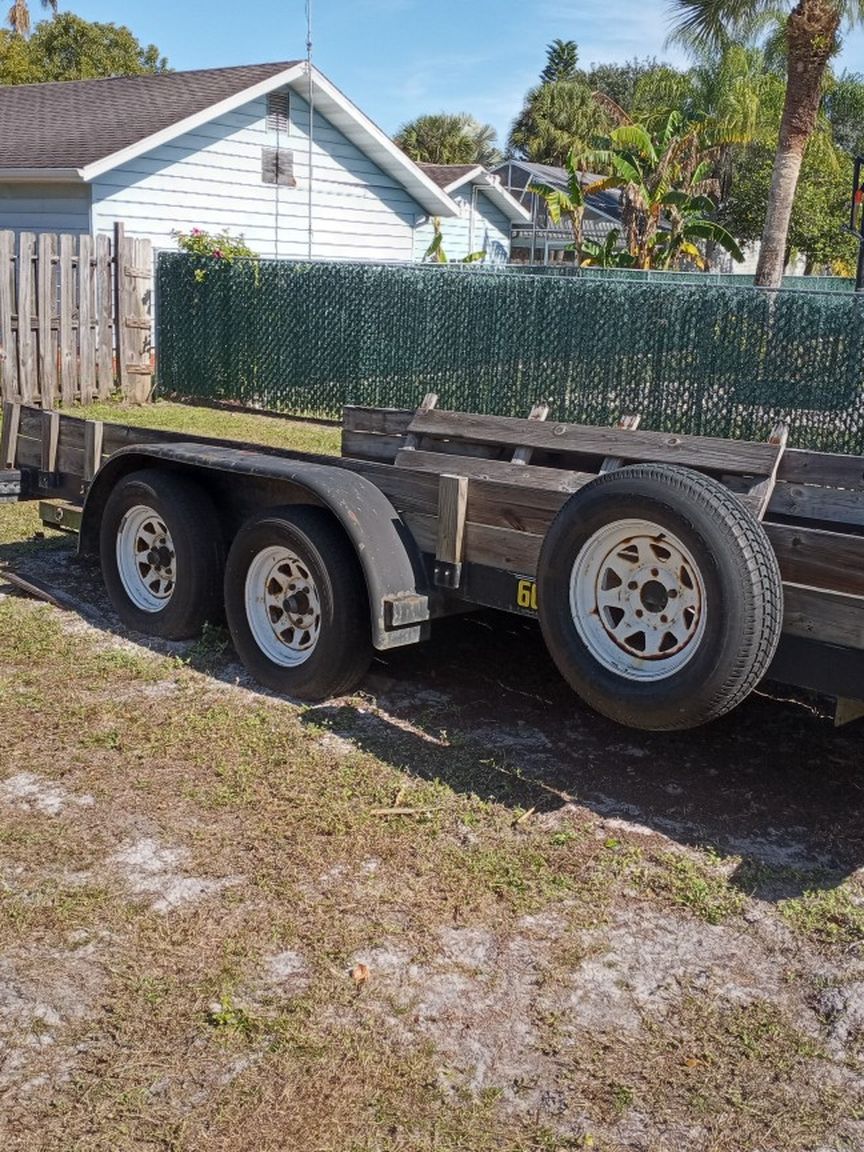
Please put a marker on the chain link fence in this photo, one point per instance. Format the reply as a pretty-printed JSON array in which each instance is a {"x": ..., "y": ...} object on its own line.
[{"x": 705, "y": 358}]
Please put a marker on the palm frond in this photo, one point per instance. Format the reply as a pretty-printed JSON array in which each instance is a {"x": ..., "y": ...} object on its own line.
[
  {"x": 19, "y": 18},
  {"x": 704, "y": 24},
  {"x": 614, "y": 111}
]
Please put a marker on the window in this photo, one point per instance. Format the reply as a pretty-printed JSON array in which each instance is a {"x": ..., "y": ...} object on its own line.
[
  {"x": 278, "y": 111},
  {"x": 277, "y": 166}
]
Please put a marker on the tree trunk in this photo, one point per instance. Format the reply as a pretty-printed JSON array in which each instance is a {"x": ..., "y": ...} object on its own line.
[{"x": 811, "y": 33}]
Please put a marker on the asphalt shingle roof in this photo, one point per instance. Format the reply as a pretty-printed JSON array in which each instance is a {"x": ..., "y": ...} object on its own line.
[
  {"x": 444, "y": 174},
  {"x": 73, "y": 123}
]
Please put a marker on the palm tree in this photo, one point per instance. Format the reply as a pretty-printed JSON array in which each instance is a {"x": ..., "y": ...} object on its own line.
[
  {"x": 562, "y": 56},
  {"x": 448, "y": 138},
  {"x": 19, "y": 15},
  {"x": 555, "y": 119},
  {"x": 812, "y": 35}
]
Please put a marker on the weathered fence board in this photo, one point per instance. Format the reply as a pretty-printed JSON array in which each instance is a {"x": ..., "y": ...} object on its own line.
[
  {"x": 86, "y": 333},
  {"x": 27, "y": 375},
  {"x": 67, "y": 293},
  {"x": 59, "y": 318},
  {"x": 45, "y": 296},
  {"x": 7, "y": 337},
  {"x": 104, "y": 319}
]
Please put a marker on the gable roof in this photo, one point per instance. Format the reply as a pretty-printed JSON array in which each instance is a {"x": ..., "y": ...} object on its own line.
[
  {"x": 74, "y": 123},
  {"x": 449, "y": 177},
  {"x": 75, "y": 130}
]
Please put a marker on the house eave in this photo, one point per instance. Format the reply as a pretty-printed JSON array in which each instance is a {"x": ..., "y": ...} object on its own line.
[
  {"x": 374, "y": 143},
  {"x": 469, "y": 177},
  {"x": 41, "y": 176},
  {"x": 508, "y": 204}
]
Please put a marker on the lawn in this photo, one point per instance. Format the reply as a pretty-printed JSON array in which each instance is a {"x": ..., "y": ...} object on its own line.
[{"x": 454, "y": 913}]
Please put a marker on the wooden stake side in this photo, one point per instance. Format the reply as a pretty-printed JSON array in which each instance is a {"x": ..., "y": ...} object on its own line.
[
  {"x": 9, "y": 434},
  {"x": 428, "y": 403},
  {"x": 761, "y": 492},
  {"x": 522, "y": 455},
  {"x": 93, "y": 439},
  {"x": 611, "y": 463},
  {"x": 50, "y": 441},
  {"x": 452, "y": 503}
]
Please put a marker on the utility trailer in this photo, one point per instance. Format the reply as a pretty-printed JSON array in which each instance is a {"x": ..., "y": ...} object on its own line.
[{"x": 669, "y": 573}]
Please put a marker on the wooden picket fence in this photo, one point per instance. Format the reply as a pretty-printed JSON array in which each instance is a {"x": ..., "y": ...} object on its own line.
[{"x": 75, "y": 318}]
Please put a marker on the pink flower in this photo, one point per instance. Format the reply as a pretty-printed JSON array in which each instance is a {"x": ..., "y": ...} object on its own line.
[
  {"x": 196, "y": 232},
  {"x": 217, "y": 252}
]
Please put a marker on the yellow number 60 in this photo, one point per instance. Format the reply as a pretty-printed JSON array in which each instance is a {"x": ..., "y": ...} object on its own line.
[{"x": 526, "y": 594}]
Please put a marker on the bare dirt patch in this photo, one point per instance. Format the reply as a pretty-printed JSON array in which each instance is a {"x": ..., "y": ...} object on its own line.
[{"x": 30, "y": 792}]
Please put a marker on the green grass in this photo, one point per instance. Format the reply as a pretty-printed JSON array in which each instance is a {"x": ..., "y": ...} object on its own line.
[
  {"x": 694, "y": 884},
  {"x": 275, "y": 431},
  {"x": 833, "y": 917}
]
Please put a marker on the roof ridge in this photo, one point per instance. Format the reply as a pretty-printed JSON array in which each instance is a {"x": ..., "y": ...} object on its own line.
[{"x": 171, "y": 72}]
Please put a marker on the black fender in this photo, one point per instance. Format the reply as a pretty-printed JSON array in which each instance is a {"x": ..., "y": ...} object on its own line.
[{"x": 390, "y": 559}]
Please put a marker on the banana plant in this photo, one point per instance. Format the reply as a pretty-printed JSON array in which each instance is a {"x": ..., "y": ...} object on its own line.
[
  {"x": 665, "y": 182},
  {"x": 435, "y": 253},
  {"x": 690, "y": 224},
  {"x": 566, "y": 204},
  {"x": 606, "y": 255}
]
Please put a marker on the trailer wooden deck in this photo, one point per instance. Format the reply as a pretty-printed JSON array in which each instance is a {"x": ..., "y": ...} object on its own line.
[{"x": 478, "y": 494}]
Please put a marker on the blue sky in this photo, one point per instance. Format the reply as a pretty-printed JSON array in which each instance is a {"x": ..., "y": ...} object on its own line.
[{"x": 399, "y": 58}]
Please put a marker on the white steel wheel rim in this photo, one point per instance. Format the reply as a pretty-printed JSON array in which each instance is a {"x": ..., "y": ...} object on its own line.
[
  {"x": 146, "y": 559},
  {"x": 638, "y": 600},
  {"x": 283, "y": 607}
]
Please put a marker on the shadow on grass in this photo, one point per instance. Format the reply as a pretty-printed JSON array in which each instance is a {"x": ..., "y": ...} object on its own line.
[{"x": 481, "y": 708}]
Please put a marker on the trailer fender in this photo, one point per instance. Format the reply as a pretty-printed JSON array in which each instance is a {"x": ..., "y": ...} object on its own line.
[{"x": 390, "y": 559}]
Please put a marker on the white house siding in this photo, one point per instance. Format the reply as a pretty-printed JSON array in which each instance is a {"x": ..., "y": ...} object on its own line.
[
  {"x": 45, "y": 207},
  {"x": 479, "y": 227},
  {"x": 211, "y": 179}
]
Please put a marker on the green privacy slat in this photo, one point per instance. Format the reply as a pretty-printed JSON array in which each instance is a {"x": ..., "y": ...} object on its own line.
[{"x": 701, "y": 354}]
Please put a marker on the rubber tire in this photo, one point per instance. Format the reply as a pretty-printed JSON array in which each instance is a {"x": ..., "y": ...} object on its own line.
[
  {"x": 743, "y": 594},
  {"x": 344, "y": 648},
  {"x": 191, "y": 519}
]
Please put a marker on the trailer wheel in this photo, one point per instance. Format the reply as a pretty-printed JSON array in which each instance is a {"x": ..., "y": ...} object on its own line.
[
  {"x": 296, "y": 603},
  {"x": 162, "y": 554},
  {"x": 660, "y": 597}
]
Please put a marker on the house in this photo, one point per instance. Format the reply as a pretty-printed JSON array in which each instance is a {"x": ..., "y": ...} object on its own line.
[
  {"x": 541, "y": 240},
  {"x": 230, "y": 148},
  {"x": 487, "y": 212}
]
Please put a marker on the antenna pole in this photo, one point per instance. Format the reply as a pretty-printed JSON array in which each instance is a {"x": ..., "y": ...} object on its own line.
[{"x": 311, "y": 102}]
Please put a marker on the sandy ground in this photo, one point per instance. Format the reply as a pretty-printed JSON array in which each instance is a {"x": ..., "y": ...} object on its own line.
[{"x": 677, "y": 1013}]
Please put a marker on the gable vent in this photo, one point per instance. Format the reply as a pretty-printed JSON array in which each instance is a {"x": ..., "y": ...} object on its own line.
[
  {"x": 278, "y": 111},
  {"x": 277, "y": 166}
]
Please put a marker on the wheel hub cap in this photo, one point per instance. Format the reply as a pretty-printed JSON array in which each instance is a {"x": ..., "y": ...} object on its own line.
[
  {"x": 282, "y": 606},
  {"x": 146, "y": 558},
  {"x": 638, "y": 600}
]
